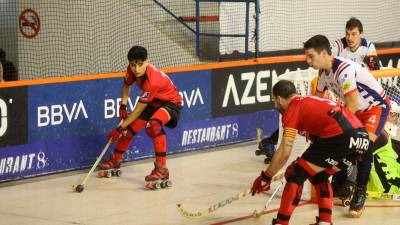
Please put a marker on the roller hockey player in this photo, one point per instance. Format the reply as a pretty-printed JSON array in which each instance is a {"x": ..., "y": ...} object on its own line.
[
  {"x": 362, "y": 95},
  {"x": 159, "y": 105},
  {"x": 330, "y": 149},
  {"x": 356, "y": 47}
]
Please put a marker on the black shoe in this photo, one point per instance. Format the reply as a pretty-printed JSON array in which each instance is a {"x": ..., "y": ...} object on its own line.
[{"x": 358, "y": 201}]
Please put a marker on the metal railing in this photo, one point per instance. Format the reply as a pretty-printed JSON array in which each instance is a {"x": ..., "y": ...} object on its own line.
[{"x": 198, "y": 33}]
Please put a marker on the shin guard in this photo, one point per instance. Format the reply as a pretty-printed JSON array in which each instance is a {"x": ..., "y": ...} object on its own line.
[
  {"x": 161, "y": 117},
  {"x": 325, "y": 201},
  {"x": 291, "y": 195},
  {"x": 290, "y": 199},
  {"x": 124, "y": 142}
]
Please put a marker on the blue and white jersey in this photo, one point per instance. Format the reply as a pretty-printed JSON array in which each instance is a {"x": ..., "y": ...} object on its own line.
[
  {"x": 346, "y": 77},
  {"x": 340, "y": 48}
]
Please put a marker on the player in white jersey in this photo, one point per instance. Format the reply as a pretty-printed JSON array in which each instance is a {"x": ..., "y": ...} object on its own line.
[
  {"x": 362, "y": 95},
  {"x": 356, "y": 47}
]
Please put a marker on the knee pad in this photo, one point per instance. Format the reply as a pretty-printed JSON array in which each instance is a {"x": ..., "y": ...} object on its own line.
[
  {"x": 154, "y": 128},
  {"x": 296, "y": 174}
]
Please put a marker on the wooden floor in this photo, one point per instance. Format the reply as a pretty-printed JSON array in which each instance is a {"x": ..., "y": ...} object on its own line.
[{"x": 199, "y": 180}]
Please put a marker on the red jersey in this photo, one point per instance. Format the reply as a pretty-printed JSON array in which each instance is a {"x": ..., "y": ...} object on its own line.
[
  {"x": 318, "y": 117},
  {"x": 156, "y": 86}
]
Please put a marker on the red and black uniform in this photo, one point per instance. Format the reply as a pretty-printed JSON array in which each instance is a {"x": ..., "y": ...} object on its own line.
[
  {"x": 156, "y": 86},
  {"x": 330, "y": 127},
  {"x": 159, "y": 92},
  {"x": 337, "y": 138}
]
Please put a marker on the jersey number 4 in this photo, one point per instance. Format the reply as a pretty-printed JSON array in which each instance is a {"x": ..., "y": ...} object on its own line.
[{"x": 372, "y": 119}]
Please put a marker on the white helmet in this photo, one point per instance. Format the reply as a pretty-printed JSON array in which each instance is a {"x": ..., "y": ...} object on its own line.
[{"x": 395, "y": 107}]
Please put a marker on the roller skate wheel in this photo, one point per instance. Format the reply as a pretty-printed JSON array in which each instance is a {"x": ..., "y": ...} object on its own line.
[
  {"x": 149, "y": 186},
  {"x": 257, "y": 152},
  {"x": 108, "y": 174},
  {"x": 267, "y": 160},
  {"x": 165, "y": 183},
  {"x": 355, "y": 213},
  {"x": 157, "y": 185},
  {"x": 118, "y": 173},
  {"x": 346, "y": 202},
  {"x": 113, "y": 173},
  {"x": 101, "y": 173}
]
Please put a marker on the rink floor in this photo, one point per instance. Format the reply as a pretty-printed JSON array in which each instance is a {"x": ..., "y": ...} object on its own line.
[{"x": 199, "y": 179}]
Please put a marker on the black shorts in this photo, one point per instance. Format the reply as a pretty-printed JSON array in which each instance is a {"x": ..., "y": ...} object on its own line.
[
  {"x": 174, "y": 111},
  {"x": 340, "y": 151}
]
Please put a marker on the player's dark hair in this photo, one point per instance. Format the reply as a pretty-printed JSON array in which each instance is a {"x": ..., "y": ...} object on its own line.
[
  {"x": 284, "y": 89},
  {"x": 354, "y": 23},
  {"x": 319, "y": 43},
  {"x": 137, "y": 53}
]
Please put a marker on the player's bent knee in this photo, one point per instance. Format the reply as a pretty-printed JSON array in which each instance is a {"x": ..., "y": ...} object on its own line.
[
  {"x": 154, "y": 128},
  {"x": 296, "y": 174}
]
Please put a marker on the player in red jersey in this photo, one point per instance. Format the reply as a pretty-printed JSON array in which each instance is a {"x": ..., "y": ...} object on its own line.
[
  {"x": 337, "y": 139},
  {"x": 159, "y": 105}
]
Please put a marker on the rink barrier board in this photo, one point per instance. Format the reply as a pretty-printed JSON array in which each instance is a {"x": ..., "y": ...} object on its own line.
[{"x": 69, "y": 130}]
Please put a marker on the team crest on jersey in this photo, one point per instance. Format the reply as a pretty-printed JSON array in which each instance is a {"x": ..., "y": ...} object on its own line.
[
  {"x": 145, "y": 95},
  {"x": 346, "y": 86}
]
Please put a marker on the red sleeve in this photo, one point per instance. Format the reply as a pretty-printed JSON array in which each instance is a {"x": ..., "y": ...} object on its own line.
[
  {"x": 290, "y": 118},
  {"x": 129, "y": 78}
]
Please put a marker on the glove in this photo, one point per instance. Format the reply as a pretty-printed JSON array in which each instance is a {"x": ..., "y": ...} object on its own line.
[
  {"x": 261, "y": 183},
  {"x": 123, "y": 114},
  {"x": 115, "y": 134}
]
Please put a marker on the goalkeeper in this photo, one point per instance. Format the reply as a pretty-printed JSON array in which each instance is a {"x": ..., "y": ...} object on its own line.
[{"x": 385, "y": 173}]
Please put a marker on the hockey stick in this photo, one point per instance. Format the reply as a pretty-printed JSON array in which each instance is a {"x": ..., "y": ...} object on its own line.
[
  {"x": 223, "y": 203},
  {"x": 382, "y": 196},
  {"x": 80, "y": 187},
  {"x": 257, "y": 214},
  {"x": 259, "y": 135}
]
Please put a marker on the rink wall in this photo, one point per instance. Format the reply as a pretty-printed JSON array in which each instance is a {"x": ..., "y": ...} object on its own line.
[{"x": 56, "y": 125}]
